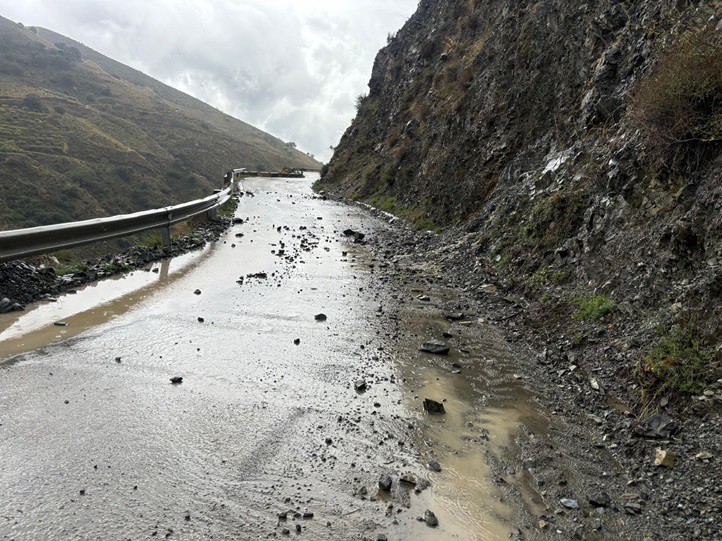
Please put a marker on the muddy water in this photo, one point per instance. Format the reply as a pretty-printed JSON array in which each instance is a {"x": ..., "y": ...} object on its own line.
[
  {"x": 96, "y": 303},
  {"x": 485, "y": 407},
  {"x": 261, "y": 425}
]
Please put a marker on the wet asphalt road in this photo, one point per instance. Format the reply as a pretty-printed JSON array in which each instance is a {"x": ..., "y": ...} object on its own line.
[
  {"x": 93, "y": 448},
  {"x": 97, "y": 449}
]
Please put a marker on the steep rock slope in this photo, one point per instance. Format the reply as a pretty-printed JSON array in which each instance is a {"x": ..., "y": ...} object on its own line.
[
  {"x": 83, "y": 136},
  {"x": 573, "y": 151}
]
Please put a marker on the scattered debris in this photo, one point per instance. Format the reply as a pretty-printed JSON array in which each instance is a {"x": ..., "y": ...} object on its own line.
[
  {"x": 569, "y": 504},
  {"x": 408, "y": 479},
  {"x": 357, "y": 237},
  {"x": 432, "y": 407},
  {"x": 659, "y": 425},
  {"x": 664, "y": 458},
  {"x": 385, "y": 483},
  {"x": 435, "y": 348},
  {"x": 430, "y": 519}
]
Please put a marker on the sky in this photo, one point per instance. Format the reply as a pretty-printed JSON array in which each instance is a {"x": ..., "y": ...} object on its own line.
[{"x": 290, "y": 67}]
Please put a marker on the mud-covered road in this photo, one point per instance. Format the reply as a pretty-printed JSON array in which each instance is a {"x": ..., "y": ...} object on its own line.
[{"x": 268, "y": 434}]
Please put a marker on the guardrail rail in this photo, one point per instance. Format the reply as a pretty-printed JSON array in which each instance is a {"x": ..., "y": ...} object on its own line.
[{"x": 20, "y": 243}]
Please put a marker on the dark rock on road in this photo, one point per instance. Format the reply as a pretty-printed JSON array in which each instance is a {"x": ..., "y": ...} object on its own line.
[
  {"x": 435, "y": 348},
  {"x": 432, "y": 407},
  {"x": 385, "y": 483},
  {"x": 430, "y": 519},
  {"x": 355, "y": 235}
]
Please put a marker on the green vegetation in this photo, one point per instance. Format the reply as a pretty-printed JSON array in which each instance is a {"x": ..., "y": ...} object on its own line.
[
  {"x": 68, "y": 263},
  {"x": 675, "y": 365},
  {"x": 229, "y": 209},
  {"x": 387, "y": 204},
  {"x": 389, "y": 175},
  {"x": 415, "y": 216},
  {"x": 592, "y": 307},
  {"x": 546, "y": 276},
  {"x": 360, "y": 101},
  {"x": 678, "y": 107},
  {"x": 554, "y": 218},
  {"x": 114, "y": 268},
  {"x": 83, "y": 136},
  {"x": 550, "y": 222}
]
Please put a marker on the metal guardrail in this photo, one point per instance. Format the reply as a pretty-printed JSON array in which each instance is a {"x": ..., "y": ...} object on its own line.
[{"x": 48, "y": 238}]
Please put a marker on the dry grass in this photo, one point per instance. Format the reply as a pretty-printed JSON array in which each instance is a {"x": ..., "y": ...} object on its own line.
[{"x": 678, "y": 106}]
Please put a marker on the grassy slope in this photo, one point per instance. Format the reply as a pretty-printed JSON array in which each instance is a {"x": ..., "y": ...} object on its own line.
[{"x": 78, "y": 141}]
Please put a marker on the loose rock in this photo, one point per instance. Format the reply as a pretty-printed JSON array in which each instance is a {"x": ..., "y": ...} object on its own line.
[
  {"x": 430, "y": 519},
  {"x": 385, "y": 483},
  {"x": 664, "y": 458},
  {"x": 436, "y": 348},
  {"x": 432, "y": 407},
  {"x": 569, "y": 504}
]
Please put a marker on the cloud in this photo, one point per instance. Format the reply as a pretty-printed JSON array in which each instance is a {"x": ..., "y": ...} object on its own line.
[{"x": 290, "y": 67}]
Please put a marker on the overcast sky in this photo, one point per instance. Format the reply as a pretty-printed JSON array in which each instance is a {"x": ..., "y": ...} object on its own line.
[{"x": 290, "y": 67}]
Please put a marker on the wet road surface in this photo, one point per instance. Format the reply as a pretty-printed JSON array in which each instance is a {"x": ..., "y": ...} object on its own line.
[{"x": 266, "y": 427}]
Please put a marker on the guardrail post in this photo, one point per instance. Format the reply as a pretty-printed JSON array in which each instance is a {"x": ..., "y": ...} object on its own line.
[
  {"x": 165, "y": 233},
  {"x": 213, "y": 214}
]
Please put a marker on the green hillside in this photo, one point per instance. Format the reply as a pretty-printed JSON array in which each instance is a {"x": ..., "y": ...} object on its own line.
[{"x": 83, "y": 136}]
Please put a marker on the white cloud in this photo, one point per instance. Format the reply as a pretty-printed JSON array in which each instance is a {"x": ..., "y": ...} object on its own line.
[{"x": 292, "y": 68}]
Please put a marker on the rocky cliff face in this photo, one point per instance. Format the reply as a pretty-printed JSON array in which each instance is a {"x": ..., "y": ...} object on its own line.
[{"x": 573, "y": 150}]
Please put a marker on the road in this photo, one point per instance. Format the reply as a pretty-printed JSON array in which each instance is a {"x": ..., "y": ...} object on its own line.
[{"x": 97, "y": 443}]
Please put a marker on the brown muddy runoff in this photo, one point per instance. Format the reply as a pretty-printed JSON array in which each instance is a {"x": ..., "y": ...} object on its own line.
[{"x": 260, "y": 426}]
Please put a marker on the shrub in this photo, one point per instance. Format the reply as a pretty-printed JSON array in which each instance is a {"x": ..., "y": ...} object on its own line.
[
  {"x": 674, "y": 366},
  {"x": 125, "y": 173},
  {"x": 678, "y": 106},
  {"x": 388, "y": 176},
  {"x": 592, "y": 307},
  {"x": 33, "y": 103},
  {"x": 359, "y": 101}
]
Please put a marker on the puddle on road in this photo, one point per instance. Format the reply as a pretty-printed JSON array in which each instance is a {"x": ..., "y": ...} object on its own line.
[
  {"x": 485, "y": 409},
  {"x": 93, "y": 304}
]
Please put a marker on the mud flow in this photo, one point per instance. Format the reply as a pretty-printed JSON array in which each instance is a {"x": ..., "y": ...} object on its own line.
[{"x": 302, "y": 386}]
